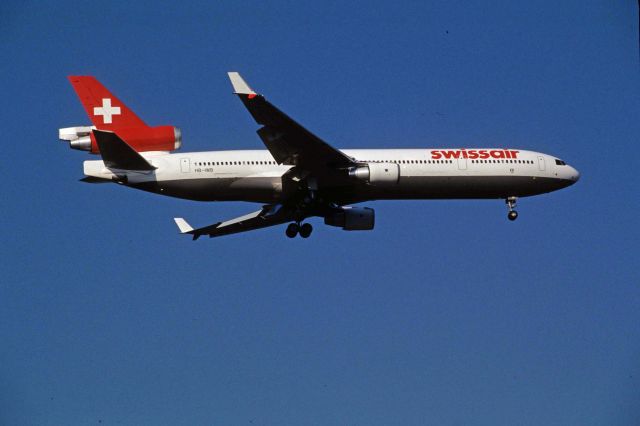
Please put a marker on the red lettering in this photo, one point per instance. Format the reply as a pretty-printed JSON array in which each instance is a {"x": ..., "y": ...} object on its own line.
[{"x": 473, "y": 153}]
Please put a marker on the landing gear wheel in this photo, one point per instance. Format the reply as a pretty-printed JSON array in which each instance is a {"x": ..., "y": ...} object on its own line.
[
  {"x": 292, "y": 230},
  {"x": 305, "y": 230},
  {"x": 511, "y": 203}
]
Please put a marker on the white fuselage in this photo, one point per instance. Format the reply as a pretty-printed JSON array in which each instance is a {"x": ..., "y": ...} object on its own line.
[{"x": 253, "y": 175}]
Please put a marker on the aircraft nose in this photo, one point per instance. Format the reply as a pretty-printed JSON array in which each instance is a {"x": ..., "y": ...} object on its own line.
[{"x": 574, "y": 174}]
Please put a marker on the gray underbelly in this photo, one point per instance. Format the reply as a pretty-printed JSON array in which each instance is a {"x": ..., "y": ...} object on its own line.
[
  {"x": 462, "y": 187},
  {"x": 268, "y": 190},
  {"x": 252, "y": 189}
]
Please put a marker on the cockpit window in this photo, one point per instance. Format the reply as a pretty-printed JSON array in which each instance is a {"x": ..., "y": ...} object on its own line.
[{"x": 560, "y": 163}]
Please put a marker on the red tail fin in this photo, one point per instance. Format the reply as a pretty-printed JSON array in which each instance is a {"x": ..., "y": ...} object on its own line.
[
  {"x": 103, "y": 108},
  {"x": 109, "y": 113}
]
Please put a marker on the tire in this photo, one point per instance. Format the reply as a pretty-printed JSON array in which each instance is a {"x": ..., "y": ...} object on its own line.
[
  {"x": 305, "y": 230},
  {"x": 292, "y": 230},
  {"x": 513, "y": 215}
]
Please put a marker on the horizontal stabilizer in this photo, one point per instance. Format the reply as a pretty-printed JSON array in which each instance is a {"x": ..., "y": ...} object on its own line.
[
  {"x": 117, "y": 154},
  {"x": 94, "y": 179}
]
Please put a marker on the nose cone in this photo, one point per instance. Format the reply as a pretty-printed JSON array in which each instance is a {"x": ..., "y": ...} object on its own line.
[{"x": 574, "y": 175}]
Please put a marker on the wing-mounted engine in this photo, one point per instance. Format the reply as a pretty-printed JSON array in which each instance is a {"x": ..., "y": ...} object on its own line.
[
  {"x": 376, "y": 173},
  {"x": 160, "y": 138},
  {"x": 352, "y": 218}
]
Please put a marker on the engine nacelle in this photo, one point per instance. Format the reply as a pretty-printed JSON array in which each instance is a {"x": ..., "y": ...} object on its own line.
[
  {"x": 160, "y": 138},
  {"x": 377, "y": 173},
  {"x": 352, "y": 218},
  {"x": 78, "y": 137}
]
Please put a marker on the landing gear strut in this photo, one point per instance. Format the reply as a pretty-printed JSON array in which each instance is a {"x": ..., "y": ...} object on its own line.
[
  {"x": 511, "y": 203},
  {"x": 295, "y": 228}
]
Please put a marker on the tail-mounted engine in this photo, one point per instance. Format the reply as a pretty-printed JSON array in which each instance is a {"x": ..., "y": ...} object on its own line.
[
  {"x": 352, "y": 218},
  {"x": 78, "y": 137},
  {"x": 160, "y": 138},
  {"x": 376, "y": 173}
]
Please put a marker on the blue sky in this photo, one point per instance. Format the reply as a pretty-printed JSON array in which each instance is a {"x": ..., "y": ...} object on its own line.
[{"x": 446, "y": 314}]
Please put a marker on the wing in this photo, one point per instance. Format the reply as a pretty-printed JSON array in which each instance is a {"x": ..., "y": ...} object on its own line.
[
  {"x": 286, "y": 140},
  {"x": 270, "y": 215}
]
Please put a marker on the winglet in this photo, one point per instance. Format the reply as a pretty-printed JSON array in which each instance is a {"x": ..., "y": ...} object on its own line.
[
  {"x": 240, "y": 87},
  {"x": 183, "y": 226}
]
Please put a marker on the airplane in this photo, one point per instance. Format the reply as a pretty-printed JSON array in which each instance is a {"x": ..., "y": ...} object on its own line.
[{"x": 299, "y": 175}]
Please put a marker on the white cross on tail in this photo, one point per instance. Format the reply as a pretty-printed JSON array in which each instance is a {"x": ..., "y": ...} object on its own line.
[{"x": 106, "y": 111}]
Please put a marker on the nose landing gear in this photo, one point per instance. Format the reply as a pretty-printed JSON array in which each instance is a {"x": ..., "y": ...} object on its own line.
[
  {"x": 295, "y": 228},
  {"x": 511, "y": 203}
]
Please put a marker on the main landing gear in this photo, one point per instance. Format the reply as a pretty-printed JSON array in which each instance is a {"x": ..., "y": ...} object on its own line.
[
  {"x": 295, "y": 228},
  {"x": 511, "y": 203}
]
